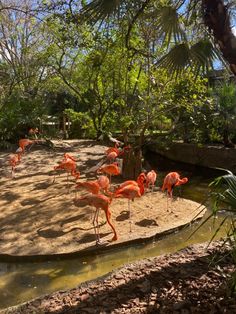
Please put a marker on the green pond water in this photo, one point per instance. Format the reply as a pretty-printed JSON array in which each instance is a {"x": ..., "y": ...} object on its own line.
[{"x": 21, "y": 282}]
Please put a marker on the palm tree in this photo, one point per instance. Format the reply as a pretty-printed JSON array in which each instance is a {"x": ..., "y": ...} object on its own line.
[{"x": 179, "y": 24}]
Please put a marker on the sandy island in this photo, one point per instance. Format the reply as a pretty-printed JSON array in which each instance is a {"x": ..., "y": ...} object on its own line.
[{"x": 38, "y": 217}]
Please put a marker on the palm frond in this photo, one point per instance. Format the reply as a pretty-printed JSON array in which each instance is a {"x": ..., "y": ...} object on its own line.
[
  {"x": 177, "y": 59},
  {"x": 100, "y": 9},
  {"x": 168, "y": 23},
  {"x": 227, "y": 183},
  {"x": 199, "y": 56},
  {"x": 203, "y": 54}
]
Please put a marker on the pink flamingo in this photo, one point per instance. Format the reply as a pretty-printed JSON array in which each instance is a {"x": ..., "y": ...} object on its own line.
[
  {"x": 112, "y": 170},
  {"x": 24, "y": 142},
  {"x": 151, "y": 179},
  {"x": 68, "y": 156},
  {"x": 98, "y": 201},
  {"x": 104, "y": 184},
  {"x": 171, "y": 180},
  {"x": 90, "y": 186},
  {"x": 70, "y": 166},
  {"x": 94, "y": 186},
  {"x": 112, "y": 156},
  {"x": 14, "y": 160},
  {"x": 130, "y": 192},
  {"x": 139, "y": 182},
  {"x": 114, "y": 152}
]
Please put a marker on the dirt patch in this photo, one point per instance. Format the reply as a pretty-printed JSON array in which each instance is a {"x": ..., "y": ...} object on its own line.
[{"x": 38, "y": 217}]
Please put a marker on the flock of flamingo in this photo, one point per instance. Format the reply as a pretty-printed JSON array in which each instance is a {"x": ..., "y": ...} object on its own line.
[{"x": 99, "y": 194}]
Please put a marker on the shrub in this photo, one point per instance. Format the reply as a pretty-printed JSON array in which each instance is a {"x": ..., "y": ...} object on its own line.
[{"x": 81, "y": 124}]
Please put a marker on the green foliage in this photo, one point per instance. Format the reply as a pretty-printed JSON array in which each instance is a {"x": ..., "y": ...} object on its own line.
[
  {"x": 179, "y": 31},
  {"x": 224, "y": 191},
  {"x": 189, "y": 108},
  {"x": 18, "y": 115},
  {"x": 223, "y": 196},
  {"x": 81, "y": 125},
  {"x": 225, "y": 111}
]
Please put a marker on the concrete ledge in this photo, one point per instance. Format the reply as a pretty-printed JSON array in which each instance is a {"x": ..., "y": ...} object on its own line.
[{"x": 211, "y": 156}]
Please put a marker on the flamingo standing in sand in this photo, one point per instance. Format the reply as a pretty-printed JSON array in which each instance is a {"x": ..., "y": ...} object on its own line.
[
  {"x": 68, "y": 156},
  {"x": 151, "y": 179},
  {"x": 14, "y": 160},
  {"x": 139, "y": 182},
  {"x": 70, "y": 166},
  {"x": 171, "y": 180},
  {"x": 112, "y": 169},
  {"x": 98, "y": 201},
  {"x": 94, "y": 186},
  {"x": 104, "y": 183},
  {"x": 130, "y": 192},
  {"x": 113, "y": 152},
  {"x": 91, "y": 186}
]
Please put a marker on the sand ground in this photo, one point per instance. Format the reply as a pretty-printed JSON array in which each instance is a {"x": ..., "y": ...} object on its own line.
[{"x": 38, "y": 217}]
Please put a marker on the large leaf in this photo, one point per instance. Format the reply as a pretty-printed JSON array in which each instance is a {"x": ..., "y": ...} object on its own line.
[
  {"x": 199, "y": 56},
  {"x": 202, "y": 54},
  {"x": 169, "y": 24},
  {"x": 227, "y": 192},
  {"x": 100, "y": 9},
  {"x": 177, "y": 59}
]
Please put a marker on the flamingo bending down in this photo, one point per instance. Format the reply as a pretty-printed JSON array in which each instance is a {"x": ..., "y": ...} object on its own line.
[
  {"x": 130, "y": 192},
  {"x": 112, "y": 156},
  {"x": 90, "y": 186},
  {"x": 171, "y": 180},
  {"x": 96, "y": 185},
  {"x": 151, "y": 179},
  {"x": 98, "y": 201},
  {"x": 113, "y": 149},
  {"x": 23, "y": 142},
  {"x": 68, "y": 156},
  {"x": 70, "y": 166},
  {"x": 112, "y": 170}
]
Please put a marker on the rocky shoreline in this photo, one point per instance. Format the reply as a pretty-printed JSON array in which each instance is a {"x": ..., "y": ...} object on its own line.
[{"x": 185, "y": 282}]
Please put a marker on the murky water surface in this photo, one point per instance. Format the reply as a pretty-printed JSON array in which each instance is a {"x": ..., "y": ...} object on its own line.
[{"x": 20, "y": 282}]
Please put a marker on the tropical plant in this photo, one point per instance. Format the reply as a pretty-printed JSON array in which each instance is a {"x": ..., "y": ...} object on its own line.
[
  {"x": 224, "y": 193},
  {"x": 223, "y": 197},
  {"x": 179, "y": 28},
  {"x": 18, "y": 115},
  {"x": 81, "y": 124},
  {"x": 225, "y": 111}
]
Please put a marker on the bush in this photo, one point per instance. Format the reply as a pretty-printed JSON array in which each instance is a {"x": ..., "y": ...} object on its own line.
[
  {"x": 81, "y": 124},
  {"x": 17, "y": 116}
]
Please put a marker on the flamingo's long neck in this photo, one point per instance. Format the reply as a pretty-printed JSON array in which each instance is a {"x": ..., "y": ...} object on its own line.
[{"x": 141, "y": 186}]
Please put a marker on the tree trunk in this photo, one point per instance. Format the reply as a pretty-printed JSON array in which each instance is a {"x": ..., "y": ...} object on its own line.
[
  {"x": 217, "y": 19},
  {"x": 132, "y": 163}
]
